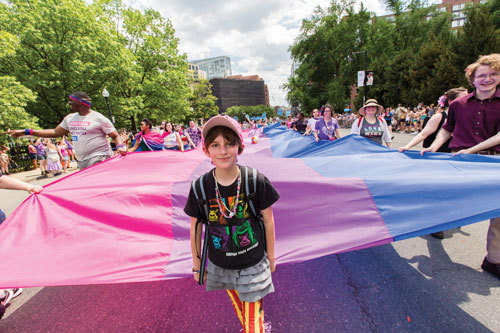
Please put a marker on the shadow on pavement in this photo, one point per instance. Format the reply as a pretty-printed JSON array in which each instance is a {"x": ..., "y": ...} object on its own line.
[{"x": 371, "y": 290}]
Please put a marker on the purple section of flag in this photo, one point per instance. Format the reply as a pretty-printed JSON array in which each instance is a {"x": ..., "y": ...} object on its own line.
[{"x": 315, "y": 215}]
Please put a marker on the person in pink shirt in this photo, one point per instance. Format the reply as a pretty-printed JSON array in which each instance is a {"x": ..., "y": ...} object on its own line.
[{"x": 62, "y": 149}]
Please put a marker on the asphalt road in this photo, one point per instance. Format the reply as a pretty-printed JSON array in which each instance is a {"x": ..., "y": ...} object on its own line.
[{"x": 416, "y": 285}]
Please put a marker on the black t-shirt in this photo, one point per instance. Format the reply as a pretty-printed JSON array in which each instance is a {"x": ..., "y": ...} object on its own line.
[
  {"x": 238, "y": 242},
  {"x": 301, "y": 125}
]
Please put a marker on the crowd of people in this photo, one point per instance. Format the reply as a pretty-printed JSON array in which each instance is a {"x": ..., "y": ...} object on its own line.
[{"x": 460, "y": 123}]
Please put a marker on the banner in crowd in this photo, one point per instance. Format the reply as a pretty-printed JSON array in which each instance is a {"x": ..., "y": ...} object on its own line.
[{"x": 122, "y": 220}]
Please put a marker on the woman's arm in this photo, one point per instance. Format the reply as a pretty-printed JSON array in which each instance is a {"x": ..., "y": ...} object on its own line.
[
  {"x": 337, "y": 132},
  {"x": 354, "y": 127},
  {"x": 431, "y": 127},
  {"x": 179, "y": 141},
  {"x": 189, "y": 139},
  {"x": 137, "y": 143},
  {"x": 267, "y": 215},
  {"x": 59, "y": 151},
  {"x": 308, "y": 130},
  {"x": 316, "y": 135},
  {"x": 387, "y": 135},
  {"x": 442, "y": 136}
]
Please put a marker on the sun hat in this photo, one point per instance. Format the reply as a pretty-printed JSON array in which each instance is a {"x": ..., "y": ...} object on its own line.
[
  {"x": 371, "y": 102},
  {"x": 222, "y": 120}
]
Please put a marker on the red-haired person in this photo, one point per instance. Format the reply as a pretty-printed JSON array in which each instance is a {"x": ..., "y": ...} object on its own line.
[{"x": 474, "y": 122}]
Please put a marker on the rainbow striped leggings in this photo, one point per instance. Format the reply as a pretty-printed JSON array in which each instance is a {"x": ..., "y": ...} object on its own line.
[{"x": 251, "y": 315}]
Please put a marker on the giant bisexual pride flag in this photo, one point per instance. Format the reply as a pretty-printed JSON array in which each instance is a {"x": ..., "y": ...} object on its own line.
[{"x": 123, "y": 221}]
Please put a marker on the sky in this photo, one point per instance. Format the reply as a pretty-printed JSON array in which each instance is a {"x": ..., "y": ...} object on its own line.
[{"x": 255, "y": 34}]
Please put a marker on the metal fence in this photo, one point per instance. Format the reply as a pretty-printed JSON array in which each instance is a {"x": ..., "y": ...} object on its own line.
[{"x": 19, "y": 159}]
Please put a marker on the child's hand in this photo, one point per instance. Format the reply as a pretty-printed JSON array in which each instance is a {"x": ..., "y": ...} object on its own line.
[
  {"x": 272, "y": 264},
  {"x": 34, "y": 189},
  {"x": 197, "y": 277}
]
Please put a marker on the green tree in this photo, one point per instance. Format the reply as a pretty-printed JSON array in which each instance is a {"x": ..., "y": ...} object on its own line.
[
  {"x": 414, "y": 54},
  {"x": 62, "y": 47},
  {"x": 13, "y": 96},
  {"x": 322, "y": 49},
  {"x": 241, "y": 111},
  {"x": 202, "y": 101},
  {"x": 69, "y": 45},
  {"x": 494, "y": 10},
  {"x": 479, "y": 36},
  {"x": 13, "y": 100},
  {"x": 156, "y": 84},
  {"x": 433, "y": 72}
]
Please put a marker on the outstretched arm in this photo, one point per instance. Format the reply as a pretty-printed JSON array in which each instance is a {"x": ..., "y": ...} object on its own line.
[
  {"x": 189, "y": 139},
  {"x": 11, "y": 183},
  {"x": 441, "y": 138},
  {"x": 486, "y": 144},
  {"x": 431, "y": 127},
  {"x": 136, "y": 145},
  {"x": 179, "y": 141},
  {"x": 119, "y": 143},
  {"x": 46, "y": 133}
]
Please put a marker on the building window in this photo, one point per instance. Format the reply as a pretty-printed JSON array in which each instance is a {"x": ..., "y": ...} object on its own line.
[
  {"x": 457, "y": 22},
  {"x": 458, "y": 15}
]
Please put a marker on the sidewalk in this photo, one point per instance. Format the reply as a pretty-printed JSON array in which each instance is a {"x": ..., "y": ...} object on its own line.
[{"x": 32, "y": 175}]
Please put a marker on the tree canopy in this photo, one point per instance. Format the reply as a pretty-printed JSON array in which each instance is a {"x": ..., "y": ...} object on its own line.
[
  {"x": 242, "y": 111},
  {"x": 13, "y": 95},
  {"x": 63, "y": 46},
  {"x": 415, "y": 54}
]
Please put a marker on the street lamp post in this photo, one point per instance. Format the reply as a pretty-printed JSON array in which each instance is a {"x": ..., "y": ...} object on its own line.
[
  {"x": 105, "y": 94},
  {"x": 364, "y": 76}
]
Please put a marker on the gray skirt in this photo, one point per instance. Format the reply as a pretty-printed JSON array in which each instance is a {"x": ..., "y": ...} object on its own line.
[{"x": 251, "y": 283}]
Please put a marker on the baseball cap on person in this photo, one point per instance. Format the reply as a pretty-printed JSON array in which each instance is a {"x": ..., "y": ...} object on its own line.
[{"x": 222, "y": 120}]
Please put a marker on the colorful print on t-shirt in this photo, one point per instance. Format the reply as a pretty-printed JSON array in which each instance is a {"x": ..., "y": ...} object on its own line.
[{"x": 234, "y": 234}]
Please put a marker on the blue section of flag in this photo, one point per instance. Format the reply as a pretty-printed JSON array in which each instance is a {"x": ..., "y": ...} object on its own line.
[{"x": 415, "y": 195}]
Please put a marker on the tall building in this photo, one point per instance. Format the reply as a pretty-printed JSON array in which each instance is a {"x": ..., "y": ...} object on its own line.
[
  {"x": 239, "y": 90},
  {"x": 254, "y": 78},
  {"x": 218, "y": 67},
  {"x": 196, "y": 73}
]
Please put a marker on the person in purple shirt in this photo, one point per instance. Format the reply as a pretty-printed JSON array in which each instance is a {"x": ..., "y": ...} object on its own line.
[
  {"x": 474, "y": 121},
  {"x": 327, "y": 128},
  {"x": 41, "y": 156},
  {"x": 194, "y": 133}
]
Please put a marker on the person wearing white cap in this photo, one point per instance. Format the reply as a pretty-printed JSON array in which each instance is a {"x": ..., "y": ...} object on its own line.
[{"x": 370, "y": 125}]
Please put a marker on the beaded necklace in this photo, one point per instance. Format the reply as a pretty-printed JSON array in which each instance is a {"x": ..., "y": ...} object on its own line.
[
  {"x": 218, "y": 197},
  {"x": 328, "y": 128}
]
